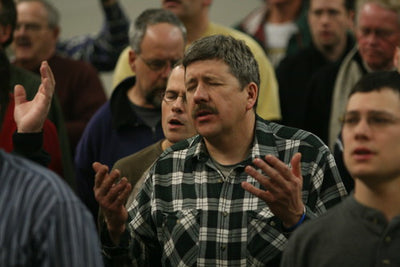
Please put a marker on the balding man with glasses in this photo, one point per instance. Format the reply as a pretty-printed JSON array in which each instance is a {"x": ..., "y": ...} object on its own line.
[{"x": 131, "y": 119}]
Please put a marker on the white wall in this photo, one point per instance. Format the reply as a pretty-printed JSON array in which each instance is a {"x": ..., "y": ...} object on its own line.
[{"x": 85, "y": 16}]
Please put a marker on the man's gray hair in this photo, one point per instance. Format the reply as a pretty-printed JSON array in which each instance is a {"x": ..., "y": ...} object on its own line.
[
  {"x": 53, "y": 16},
  {"x": 235, "y": 53},
  {"x": 393, "y": 5},
  {"x": 151, "y": 17}
]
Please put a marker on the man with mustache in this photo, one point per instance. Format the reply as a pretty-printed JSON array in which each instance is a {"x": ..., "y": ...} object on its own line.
[
  {"x": 364, "y": 229},
  {"x": 31, "y": 83},
  {"x": 131, "y": 119},
  {"x": 231, "y": 195},
  {"x": 194, "y": 14},
  {"x": 79, "y": 87}
]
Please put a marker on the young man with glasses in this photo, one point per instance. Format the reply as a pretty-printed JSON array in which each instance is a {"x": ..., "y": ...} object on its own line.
[
  {"x": 131, "y": 119},
  {"x": 363, "y": 230},
  {"x": 177, "y": 126}
]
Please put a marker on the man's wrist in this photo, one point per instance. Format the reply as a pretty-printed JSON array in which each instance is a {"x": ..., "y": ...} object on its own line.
[{"x": 299, "y": 222}]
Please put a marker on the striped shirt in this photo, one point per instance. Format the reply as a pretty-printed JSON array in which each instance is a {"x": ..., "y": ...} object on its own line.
[
  {"x": 189, "y": 214},
  {"x": 42, "y": 222}
]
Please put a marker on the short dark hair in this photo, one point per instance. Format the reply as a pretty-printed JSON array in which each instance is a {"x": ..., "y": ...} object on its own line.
[
  {"x": 151, "y": 17},
  {"x": 8, "y": 16},
  {"x": 350, "y": 5},
  {"x": 376, "y": 81},
  {"x": 235, "y": 53}
]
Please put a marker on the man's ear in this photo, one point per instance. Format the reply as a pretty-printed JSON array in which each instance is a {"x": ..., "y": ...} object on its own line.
[
  {"x": 132, "y": 59},
  {"x": 252, "y": 94},
  {"x": 56, "y": 33},
  {"x": 5, "y": 33}
]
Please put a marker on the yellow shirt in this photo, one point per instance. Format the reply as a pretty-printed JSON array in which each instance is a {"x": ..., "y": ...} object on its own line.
[{"x": 268, "y": 106}]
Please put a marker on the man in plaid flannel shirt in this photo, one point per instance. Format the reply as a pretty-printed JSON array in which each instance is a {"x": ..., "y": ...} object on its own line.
[{"x": 231, "y": 195}]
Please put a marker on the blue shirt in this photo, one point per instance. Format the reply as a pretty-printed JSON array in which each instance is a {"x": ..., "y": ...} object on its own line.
[
  {"x": 113, "y": 132},
  {"x": 42, "y": 222}
]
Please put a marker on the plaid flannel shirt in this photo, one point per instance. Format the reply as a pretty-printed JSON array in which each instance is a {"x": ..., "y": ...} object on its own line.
[{"x": 187, "y": 214}]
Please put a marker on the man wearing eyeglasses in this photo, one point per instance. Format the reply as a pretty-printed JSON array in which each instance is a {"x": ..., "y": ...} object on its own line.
[
  {"x": 377, "y": 34},
  {"x": 177, "y": 126},
  {"x": 364, "y": 229},
  {"x": 131, "y": 119}
]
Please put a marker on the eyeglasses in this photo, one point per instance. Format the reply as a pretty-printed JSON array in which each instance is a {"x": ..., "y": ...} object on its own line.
[
  {"x": 376, "y": 120},
  {"x": 172, "y": 96},
  {"x": 158, "y": 64},
  {"x": 32, "y": 27},
  {"x": 379, "y": 33}
]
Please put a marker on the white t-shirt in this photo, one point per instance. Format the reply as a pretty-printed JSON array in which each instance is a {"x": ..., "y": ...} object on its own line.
[{"x": 278, "y": 35}]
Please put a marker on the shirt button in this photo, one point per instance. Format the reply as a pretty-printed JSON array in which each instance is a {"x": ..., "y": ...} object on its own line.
[
  {"x": 225, "y": 213},
  {"x": 272, "y": 223},
  {"x": 388, "y": 239},
  {"x": 220, "y": 181},
  {"x": 223, "y": 247},
  {"x": 178, "y": 221}
]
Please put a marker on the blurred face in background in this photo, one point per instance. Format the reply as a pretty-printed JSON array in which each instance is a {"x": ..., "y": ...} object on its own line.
[
  {"x": 378, "y": 35},
  {"x": 176, "y": 122},
  {"x": 34, "y": 40},
  {"x": 161, "y": 47},
  {"x": 329, "y": 22}
]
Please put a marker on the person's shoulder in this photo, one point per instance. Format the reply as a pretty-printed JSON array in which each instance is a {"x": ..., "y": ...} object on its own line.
[
  {"x": 102, "y": 115},
  {"x": 184, "y": 147},
  {"x": 153, "y": 150},
  {"x": 72, "y": 65},
  {"x": 317, "y": 227},
  {"x": 285, "y": 133},
  {"x": 34, "y": 177},
  {"x": 296, "y": 60},
  {"x": 28, "y": 79},
  {"x": 101, "y": 120}
]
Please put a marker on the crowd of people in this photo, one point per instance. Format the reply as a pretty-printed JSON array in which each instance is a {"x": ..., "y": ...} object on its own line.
[{"x": 269, "y": 143}]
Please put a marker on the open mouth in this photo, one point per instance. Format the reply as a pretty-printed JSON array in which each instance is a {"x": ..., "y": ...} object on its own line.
[
  {"x": 362, "y": 151},
  {"x": 203, "y": 113},
  {"x": 23, "y": 43},
  {"x": 175, "y": 122}
]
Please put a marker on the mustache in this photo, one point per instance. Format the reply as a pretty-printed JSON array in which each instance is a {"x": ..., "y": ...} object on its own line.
[{"x": 203, "y": 108}]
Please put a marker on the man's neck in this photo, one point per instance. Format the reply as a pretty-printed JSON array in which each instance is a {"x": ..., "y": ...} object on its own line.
[
  {"x": 232, "y": 148},
  {"x": 196, "y": 26},
  {"x": 280, "y": 13},
  {"x": 381, "y": 195},
  {"x": 33, "y": 65},
  {"x": 27, "y": 64},
  {"x": 334, "y": 53},
  {"x": 136, "y": 98}
]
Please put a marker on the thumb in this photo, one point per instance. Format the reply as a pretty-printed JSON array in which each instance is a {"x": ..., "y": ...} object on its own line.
[
  {"x": 19, "y": 94},
  {"x": 296, "y": 165}
]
